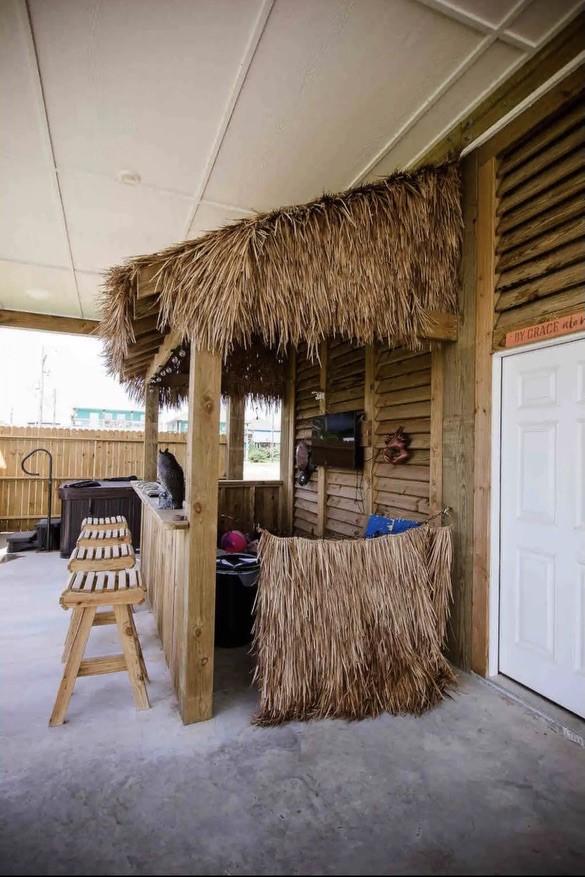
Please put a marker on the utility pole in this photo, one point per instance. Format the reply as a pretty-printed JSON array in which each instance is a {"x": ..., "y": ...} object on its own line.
[
  {"x": 42, "y": 385},
  {"x": 54, "y": 406}
]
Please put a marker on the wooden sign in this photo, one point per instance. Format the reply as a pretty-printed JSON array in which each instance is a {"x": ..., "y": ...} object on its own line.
[{"x": 550, "y": 329}]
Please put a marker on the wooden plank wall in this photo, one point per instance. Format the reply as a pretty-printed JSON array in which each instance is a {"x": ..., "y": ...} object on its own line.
[
  {"x": 540, "y": 234},
  {"x": 306, "y": 407},
  {"x": 401, "y": 397},
  {"x": 345, "y": 513},
  {"x": 245, "y": 504},
  {"x": 77, "y": 454}
]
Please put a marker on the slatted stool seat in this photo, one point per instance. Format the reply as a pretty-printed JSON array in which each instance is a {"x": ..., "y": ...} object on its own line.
[
  {"x": 104, "y": 523},
  {"x": 96, "y": 538},
  {"x": 108, "y": 558},
  {"x": 86, "y": 592}
]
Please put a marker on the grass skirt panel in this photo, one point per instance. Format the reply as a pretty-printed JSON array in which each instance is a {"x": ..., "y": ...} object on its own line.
[{"x": 352, "y": 628}]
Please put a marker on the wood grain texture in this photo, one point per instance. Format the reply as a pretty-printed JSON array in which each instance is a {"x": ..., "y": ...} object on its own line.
[
  {"x": 540, "y": 265},
  {"x": 236, "y": 424},
  {"x": 198, "y": 609},
  {"x": 47, "y": 323},
  {"x": 437, "y": 379},
  {"x": 484, "y": 317},
  {"x": 287, "y": 447},
  {"x": 322, "y": 471},
  {"x": 458, "y": 429},
  {"x": 151, "y": 433}
]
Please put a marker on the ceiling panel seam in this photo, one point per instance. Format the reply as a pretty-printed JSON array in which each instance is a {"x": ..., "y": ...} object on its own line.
[
  {"x": 223, "y": 206},
  {"x": 42, "y": 265},
  {"x": 442, "y": 89},
  {"x": 563, "y": 22},
  {"x": 455, "y": 13},
  {"x": 25, "y": 14},
  {"x": 246, "y": 63},
  {"x": 160, "y": 190}
]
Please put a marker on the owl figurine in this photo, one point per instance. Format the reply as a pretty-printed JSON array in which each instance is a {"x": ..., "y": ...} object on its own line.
[{"x": 170, "y": 475}]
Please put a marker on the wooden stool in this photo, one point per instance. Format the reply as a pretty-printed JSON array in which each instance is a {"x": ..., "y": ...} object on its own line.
[
  {"x": 104, "y": 523},
  {"x": 85, "y": 593},
  {"x": 109, "y": 558},
  {"x": 96, "y": 538}
]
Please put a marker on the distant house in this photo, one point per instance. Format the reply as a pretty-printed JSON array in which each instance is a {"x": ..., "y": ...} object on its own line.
[
  {"x": 107, "y": 418},
  {"x": 260, "y": 432},
  {"x": 178, "y": 424}
]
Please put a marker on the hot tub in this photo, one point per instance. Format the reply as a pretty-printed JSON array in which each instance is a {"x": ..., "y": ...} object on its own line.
[{"x": 104, "y": 499}]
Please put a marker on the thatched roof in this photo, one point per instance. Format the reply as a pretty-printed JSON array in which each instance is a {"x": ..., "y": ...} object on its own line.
[{"x": 364, "y": 265}]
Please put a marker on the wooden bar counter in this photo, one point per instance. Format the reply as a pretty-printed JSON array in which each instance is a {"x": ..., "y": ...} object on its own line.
[{"x": 163, "y": 559}]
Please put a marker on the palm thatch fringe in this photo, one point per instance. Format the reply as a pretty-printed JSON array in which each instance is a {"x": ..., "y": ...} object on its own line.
[
  {"x": 363, "y": 265},
  {"x": 352, "y": 628}
]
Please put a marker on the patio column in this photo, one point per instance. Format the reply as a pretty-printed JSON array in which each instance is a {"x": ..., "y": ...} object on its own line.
[
  {"x": 236, "y": 417},
  {"x": 287, "y": 447},
  {"x": 198, "y": 614},
  {"x": 150, "y": 433}
]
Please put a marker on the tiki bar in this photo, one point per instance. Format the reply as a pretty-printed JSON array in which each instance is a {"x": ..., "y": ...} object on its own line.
[{"x": 340, "y": 309}]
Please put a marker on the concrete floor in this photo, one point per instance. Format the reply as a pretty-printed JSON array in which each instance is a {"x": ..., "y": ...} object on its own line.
[{"x": 477, "y": 786}]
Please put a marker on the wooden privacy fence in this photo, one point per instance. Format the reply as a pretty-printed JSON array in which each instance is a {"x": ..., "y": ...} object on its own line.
[{"x": 77, "y": 454}]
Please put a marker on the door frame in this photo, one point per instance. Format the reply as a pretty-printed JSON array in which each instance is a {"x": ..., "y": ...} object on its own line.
[{"x": 495, "y": 503}]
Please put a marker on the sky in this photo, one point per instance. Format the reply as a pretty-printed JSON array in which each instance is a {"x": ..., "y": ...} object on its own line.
[
  {"x": 75, "y": 377},
  {"x": 74, "y": 372}
]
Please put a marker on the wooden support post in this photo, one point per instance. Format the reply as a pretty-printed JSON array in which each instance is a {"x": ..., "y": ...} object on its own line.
[
  {"x": 484, "y": 321},
  {"x": 436, "y": 470},
  {"x": 458, "y": 429},
  {"x": 287, "y": 446},
  {"x": 370, "y": 415},
  {"x": 151, "y": 433},
  {"x": 196, "y": 661},
  {"x": 322, "y": 471},
  {"x": 236, "y": 424}
]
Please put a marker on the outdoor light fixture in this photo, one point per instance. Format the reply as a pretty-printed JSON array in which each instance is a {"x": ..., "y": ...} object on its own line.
[{"x": 129, "y": 178}]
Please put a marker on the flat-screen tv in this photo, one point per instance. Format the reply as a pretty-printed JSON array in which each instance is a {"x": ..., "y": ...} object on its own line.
[{"x": 335, "y": 440}]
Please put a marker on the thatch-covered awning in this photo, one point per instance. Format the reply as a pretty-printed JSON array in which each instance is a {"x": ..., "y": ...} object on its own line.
[{"x": 366, "y": 265}]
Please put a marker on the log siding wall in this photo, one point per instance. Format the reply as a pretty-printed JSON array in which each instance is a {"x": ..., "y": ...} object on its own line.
[{"x": 401, "y": 397}]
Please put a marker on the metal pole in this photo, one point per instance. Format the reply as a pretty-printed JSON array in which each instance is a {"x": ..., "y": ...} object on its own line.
[{"x": 42, "y": 385}]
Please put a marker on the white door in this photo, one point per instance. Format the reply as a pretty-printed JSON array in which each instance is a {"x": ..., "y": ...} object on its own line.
[{"x": 542, "y": 522}]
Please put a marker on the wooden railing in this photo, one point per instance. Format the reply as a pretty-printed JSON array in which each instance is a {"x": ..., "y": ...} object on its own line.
[
  {"x": 77, "y": 454},
  {"x": 246, "y": 504}
]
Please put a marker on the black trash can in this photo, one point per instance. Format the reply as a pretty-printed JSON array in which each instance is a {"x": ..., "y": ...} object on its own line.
[
  {"x": 43, "y": 533},
  {"x": 236, "y": 582}
]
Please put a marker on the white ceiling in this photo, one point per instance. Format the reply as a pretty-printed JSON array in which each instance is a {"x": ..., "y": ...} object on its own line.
[{"x": 222, "y": 107}]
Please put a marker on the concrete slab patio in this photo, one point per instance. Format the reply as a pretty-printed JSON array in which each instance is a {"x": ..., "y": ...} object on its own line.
[{"x": 479, "y": 785}]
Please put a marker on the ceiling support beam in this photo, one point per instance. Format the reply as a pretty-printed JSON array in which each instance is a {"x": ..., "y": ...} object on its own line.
[
  {"x": 439, "y": 326},
  {"x": 172, "y": 340},
  {"x": 48, "y": 323}
]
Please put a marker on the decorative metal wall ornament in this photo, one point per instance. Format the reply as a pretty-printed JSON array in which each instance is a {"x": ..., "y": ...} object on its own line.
[
  {"x": 396, "y": 447},
  {"x": 303, "y": 463}
]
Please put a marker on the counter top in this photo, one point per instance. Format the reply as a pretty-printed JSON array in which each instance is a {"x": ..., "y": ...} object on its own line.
[{"x": 167, "y": 517}]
